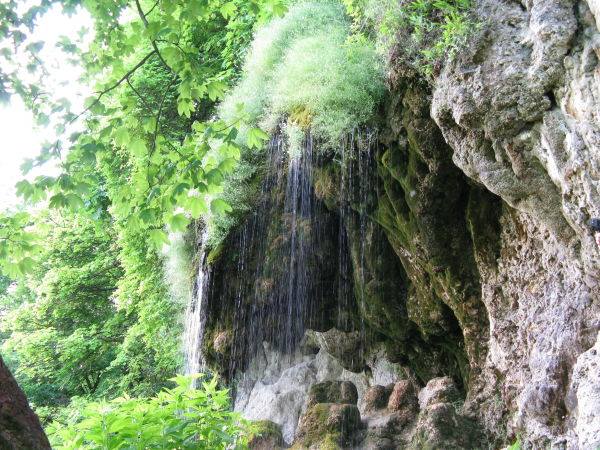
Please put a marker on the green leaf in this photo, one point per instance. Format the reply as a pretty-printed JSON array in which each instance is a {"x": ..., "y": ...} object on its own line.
[
  {"x": 158, "y": 238},
  {"x": 25, "y": 189},
  {"x": 228, "y": 10},
  {"x": 256, "y": 137},
  {"x": 58, "y": 201},
  {"x": 215, "y": 90},
  {"x": 196, "y": 206},
  {"x": 138, "y": 148},
  {"x": 26, "y": 265},
  {"x": 219, "y": 206},
  {"x": 227, "y": 165},
  {"x": 178, "y": 222},
  {"x": 74, "y": 201},
  {"x": 122, "y": 137},
  {"x": 26, "y": 166}
]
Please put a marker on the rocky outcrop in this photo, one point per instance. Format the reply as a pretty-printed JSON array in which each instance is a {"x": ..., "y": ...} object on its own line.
[
  {"x": 280, "y": 388},
  {"x": 440, "y": 423},
  {"x": 519, "y": 109}
]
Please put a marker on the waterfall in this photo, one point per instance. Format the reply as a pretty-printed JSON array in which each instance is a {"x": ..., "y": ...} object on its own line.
[
  {"x": 196, "y": 314},
  {"x": 294, "y": 263}
]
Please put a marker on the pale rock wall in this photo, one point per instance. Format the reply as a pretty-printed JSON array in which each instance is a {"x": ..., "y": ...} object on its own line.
[{"x": 520, "y": 110}]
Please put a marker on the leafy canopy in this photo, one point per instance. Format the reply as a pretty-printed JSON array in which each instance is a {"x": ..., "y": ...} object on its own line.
[{"x": 190, "y": 47}]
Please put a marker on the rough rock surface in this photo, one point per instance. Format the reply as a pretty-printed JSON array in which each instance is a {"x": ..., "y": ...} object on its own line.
[
  {"x": 440, "y": 423},
  {"x": 520, "y": 110},
  {"x": 377, "y": 397},
  {"x": 328, "y": 424},
  {"x": 332, "y": 392},
  {"x": 402, "y": 397},
  {"x": 584, "y": 397}
]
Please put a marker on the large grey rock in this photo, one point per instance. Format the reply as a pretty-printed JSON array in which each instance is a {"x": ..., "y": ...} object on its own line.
[{"x": 276, "y": 387}]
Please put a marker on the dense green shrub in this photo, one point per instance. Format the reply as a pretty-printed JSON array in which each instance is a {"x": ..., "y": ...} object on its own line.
[
  {"x": 303, "y": 67},
  {"x": 177, "y": 418}
]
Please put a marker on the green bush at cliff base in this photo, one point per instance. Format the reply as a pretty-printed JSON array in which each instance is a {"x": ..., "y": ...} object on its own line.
[
  {"x": 304, "y": 67},
  {"x": 182, "y": 418}
]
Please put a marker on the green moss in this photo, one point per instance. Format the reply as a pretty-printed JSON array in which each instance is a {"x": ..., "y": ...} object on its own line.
[
  {"x": 215, "y": 254},
  {"x": 265, "y": 432}
]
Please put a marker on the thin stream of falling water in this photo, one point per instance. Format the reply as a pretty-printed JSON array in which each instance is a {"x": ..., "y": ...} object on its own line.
[
  {"x": 298, "y": 209},
  {"x": 196, "y": 315}
]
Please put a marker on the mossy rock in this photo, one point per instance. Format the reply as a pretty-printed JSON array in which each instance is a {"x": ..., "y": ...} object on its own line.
[
  {"x": 327, "y": 426},
  {"x": 266, "y": 436}
]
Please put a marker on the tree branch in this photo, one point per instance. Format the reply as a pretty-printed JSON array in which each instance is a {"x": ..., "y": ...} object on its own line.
[
  {"x": 154, "y": 46},
  {"x": 115, "y": 85}
]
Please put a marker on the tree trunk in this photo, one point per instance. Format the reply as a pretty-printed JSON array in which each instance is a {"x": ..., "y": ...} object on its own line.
[{"x": 20, "y": 428}]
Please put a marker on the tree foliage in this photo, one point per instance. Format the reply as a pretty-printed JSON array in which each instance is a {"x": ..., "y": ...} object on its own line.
[
  {"x": 61, "y": 323},
  {"x": 84, "y": 307}
]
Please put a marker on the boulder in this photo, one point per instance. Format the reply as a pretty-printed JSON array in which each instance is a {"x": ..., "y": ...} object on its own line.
[
  {"x": 440, "y": 423},
  {"x": 376, "y": 398},
  {"x": 403, "y": 397},
  {"x": 267, "y": 436},
  {"x": 332, "y": 392}
]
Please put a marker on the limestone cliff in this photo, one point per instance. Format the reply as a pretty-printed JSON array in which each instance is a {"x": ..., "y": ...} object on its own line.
[{"x": 451, "y": 260}]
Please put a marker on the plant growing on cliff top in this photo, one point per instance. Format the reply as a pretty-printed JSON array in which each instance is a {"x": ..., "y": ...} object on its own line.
[
  {"x": 305, "y": 70},
  {"x": 423, "y": 31}
]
